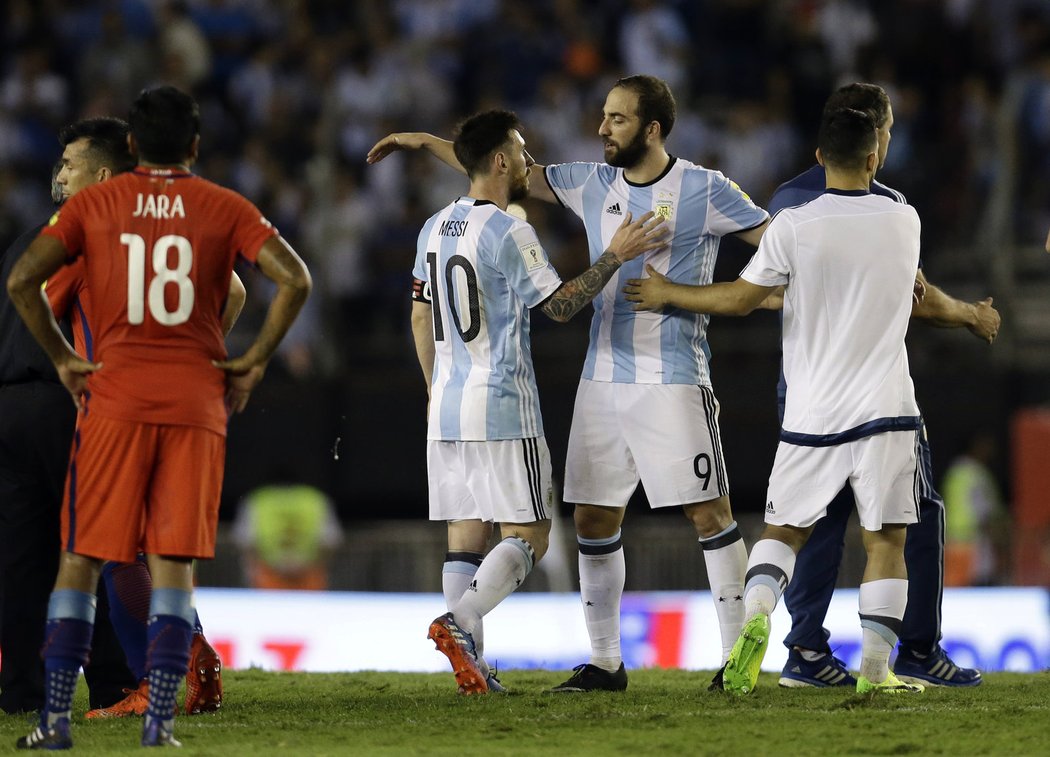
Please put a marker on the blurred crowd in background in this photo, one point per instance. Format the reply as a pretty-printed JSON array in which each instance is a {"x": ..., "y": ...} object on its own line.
[{"x": 294, "y": 92}]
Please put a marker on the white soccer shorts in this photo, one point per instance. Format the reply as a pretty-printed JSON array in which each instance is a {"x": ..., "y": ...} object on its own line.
[
  {"x": 664, "y": 435},
  {"x": 506, "y": 481},
  {"x": 881, "y": 470}
]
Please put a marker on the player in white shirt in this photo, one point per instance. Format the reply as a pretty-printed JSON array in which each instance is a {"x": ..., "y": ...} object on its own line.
[
  {"x": 478, "y": 271},
  {"x": 645, "y": 410},
  {"x": 848, "y": 260}
]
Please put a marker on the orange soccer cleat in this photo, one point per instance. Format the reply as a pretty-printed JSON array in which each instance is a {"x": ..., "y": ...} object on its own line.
[
  {"x": 203, "y": 679},
  {"x": 135, "y": 703}
]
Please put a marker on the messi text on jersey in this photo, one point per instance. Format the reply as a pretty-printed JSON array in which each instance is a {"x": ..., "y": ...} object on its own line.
[{"x": 453, "y": 228}]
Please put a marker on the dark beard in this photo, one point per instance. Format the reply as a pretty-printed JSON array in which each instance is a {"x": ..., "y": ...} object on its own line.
[
  {"x": 519, "y": 191},
  {"x": 630, "y": 154}
]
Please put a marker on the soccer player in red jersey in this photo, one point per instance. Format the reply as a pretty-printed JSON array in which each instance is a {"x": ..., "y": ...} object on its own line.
[
  {"x": 95, "y": 150},
  {"x": 158, "y": 246}
]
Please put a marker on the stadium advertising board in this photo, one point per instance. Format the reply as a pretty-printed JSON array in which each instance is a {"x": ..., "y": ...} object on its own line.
[{"x": 992, "y": 629}]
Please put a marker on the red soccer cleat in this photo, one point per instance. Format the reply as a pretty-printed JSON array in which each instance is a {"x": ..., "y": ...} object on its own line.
[{"x": 203, "y": 679}]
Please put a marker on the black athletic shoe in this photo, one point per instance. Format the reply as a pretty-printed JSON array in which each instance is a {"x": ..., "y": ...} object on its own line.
[
  {"x": 589, "y": 677},
  {"x": 718, "y": 682},
  {"x": 55, "y": 737}
]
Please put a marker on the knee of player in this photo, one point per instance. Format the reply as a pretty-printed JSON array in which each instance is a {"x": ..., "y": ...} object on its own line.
[
  {"x": 536, "y": 537},
  {"x": 597, "y": 522},
  {"x": 711, "y": 517}
]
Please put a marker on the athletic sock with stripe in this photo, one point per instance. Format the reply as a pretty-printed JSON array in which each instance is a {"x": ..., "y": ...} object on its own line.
[
  {"x": 500, "y": 573},
  {"x": 603, "y": 572},
  {"x": 769, "y": 570},
  {"x": 726, "y": 559}
]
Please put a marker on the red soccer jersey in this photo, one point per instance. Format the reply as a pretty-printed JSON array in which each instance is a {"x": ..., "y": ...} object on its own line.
[
  {"x": 158, "y": 248},
  {"x": 67, "y": 294}
]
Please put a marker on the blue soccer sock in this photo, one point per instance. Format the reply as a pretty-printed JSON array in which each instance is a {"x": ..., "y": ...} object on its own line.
[
  {"x": 170, "y": 633},
  {"x": 129, "y": 586},
  {"x": 67, "y": 644}
]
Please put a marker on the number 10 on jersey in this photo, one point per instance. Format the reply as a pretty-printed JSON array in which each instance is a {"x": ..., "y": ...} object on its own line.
[{"x": 163, "y": 275}]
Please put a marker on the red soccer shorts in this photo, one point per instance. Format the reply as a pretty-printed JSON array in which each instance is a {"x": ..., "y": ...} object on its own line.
[{"x": 135, "y": 487}]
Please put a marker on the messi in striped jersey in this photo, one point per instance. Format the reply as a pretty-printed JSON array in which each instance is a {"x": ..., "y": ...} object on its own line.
[
  {"x": 816, "y": 568},
  {"x": 645, "y": 411},
  {"x": 478, "y": 272}
]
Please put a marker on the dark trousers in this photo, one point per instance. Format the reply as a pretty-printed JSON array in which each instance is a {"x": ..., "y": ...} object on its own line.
[
  {"x": 817, "y": 567},
  {"x": 36, "y": 426}
]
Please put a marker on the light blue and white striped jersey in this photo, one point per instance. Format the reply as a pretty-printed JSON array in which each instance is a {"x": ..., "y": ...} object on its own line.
[
  {"x": 485, "y": 269},
  {"x": 701, "y": 206}
]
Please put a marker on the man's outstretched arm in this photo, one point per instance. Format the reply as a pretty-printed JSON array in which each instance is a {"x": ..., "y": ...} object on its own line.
[
  {"x": 442, "y": 150},
  {"x": 938, "y": 308},
  {"x": 415, "y": 140},
  {"x": 657, "y": 292}
]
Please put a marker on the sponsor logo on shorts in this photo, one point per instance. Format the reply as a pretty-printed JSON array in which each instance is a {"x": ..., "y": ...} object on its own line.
[{"x": 770, "y": 510}]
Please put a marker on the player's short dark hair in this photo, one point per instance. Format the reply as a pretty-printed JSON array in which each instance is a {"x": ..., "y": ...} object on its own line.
[
  {"x": 478, "y": 137},
  {"x": 847, "y": 136},
  {"x": 107, "y": 142},
  {"x": 870, "y": 98},
  {"x": 655, "y": 101},
  {"x": 164, "y": 122}
]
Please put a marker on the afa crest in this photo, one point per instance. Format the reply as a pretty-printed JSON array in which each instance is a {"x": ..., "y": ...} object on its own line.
[{"x": 664, "y": 209}]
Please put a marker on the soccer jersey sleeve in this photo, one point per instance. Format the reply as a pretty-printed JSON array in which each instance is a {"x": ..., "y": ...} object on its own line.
[
  {"x": 567, "y": 181},
  {"x": 524, "y": 262},
  {"x": 63, "y": 287},
  {"x": 420, "y": 270},
  {"x": 772, "y": 262},
  {"x": 731, "y": 209},
  {"x": 67, "y": 226},
  {"x": 251, "y": 229}
]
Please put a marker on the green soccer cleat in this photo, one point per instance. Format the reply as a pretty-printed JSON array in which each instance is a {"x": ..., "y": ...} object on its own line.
[
  {"x": 741, "y": 671},
  {"x": 892, "y": 685}
]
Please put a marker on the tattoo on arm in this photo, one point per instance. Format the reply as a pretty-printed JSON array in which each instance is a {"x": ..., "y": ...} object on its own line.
[{"x": 573, "y": 295}]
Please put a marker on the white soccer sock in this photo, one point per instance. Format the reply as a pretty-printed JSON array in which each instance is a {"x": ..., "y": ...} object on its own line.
[
  {"x": 882, "y": 604},
  {"x": 769, "y": 570},
  {"x": 500, "y": 573},
  {"x": 726, "y": 559},
  {"x": 603, "y": 571},
  {"x": 456, "y": 574}
]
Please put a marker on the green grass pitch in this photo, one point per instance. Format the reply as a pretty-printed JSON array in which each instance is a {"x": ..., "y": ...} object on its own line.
[{"x": 664, "y": 712}]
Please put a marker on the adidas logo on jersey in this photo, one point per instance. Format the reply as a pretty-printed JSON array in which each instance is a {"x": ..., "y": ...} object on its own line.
[
  {"x": 769, "y": 509},
  {"x": 614, "y": 209}
]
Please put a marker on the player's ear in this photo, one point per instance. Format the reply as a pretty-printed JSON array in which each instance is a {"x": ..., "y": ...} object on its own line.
[
  {"x": 820, "y": 157},
  {"x": 104, "y": 173},
  {"x": 133, "y": 146},
  {"x": 195, "y": 147},
  {"x": 873, "y": 162}
]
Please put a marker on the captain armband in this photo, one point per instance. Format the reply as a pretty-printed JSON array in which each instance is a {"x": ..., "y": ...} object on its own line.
[{"x": 421, "y": 291}]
